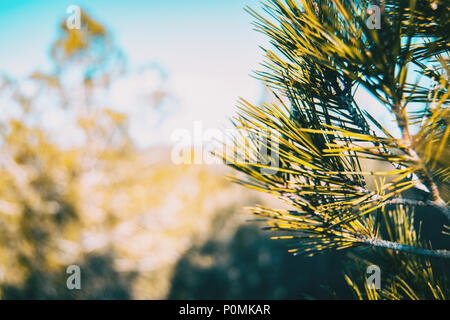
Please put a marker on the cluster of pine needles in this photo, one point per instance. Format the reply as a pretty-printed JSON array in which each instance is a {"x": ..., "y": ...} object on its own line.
[{"x": 316, "y": 147}]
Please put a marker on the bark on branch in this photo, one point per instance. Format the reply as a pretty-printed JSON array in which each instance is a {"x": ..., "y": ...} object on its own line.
[{"x": 405, "y": 248}]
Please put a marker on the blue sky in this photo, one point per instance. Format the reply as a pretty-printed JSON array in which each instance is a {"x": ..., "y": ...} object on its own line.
[{"x": 178, "y": 32}]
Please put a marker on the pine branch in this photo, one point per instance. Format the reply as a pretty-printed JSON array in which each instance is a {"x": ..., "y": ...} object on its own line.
[
  {"x": 324, "y": 49},
  {"x": 442, "y": 208},
  {"x": 379, "y": 243},
  {"x": 424, "y": 176}
]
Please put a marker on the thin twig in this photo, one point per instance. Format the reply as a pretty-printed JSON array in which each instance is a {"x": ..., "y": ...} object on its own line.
[
  {"x": 443, "y": 208},
  {"x": 379, "y": 243}
]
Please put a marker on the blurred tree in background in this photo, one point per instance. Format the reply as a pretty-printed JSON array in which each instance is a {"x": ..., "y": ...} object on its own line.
[
  {"x": 74, "y": 188},
  {"x": 350, "y": 182}
]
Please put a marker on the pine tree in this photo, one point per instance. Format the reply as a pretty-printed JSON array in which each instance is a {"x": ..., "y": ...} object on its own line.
[{"x": 350, "y": 181}]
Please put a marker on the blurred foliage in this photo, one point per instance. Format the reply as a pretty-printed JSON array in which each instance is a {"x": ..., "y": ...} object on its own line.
[
  {"x": 239, "y": 262},
  {"x": 123, "y": 214}
]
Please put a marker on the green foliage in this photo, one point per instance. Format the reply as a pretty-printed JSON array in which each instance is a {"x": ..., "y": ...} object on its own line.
[
  {"x": 327, "y": 145},
  {"x": 405, "y": 276}
]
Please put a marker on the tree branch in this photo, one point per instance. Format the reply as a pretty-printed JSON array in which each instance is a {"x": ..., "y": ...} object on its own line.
[
  {"x": 443, "y": 208},
  {"x": 424, "y": 176},
  {"x": 379, "y": 243}
]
